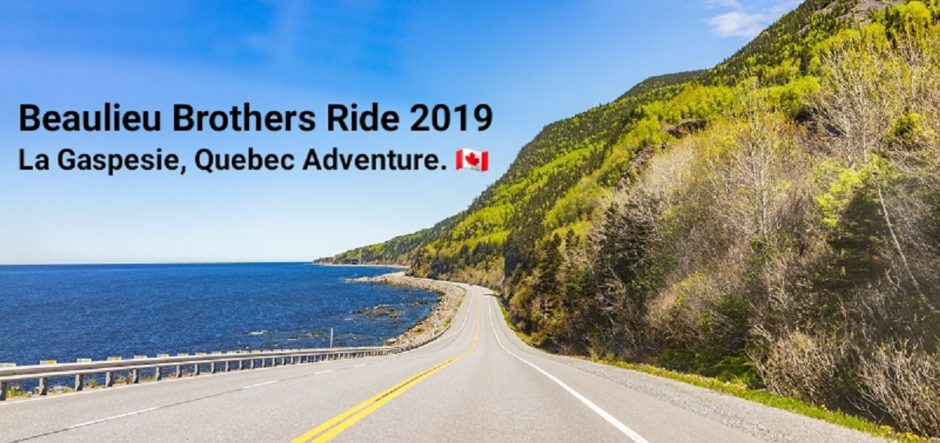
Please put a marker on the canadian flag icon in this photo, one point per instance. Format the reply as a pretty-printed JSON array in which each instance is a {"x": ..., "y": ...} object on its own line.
[{"x": 471, "y": 159}]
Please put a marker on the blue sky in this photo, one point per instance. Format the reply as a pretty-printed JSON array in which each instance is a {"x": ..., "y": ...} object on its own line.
[{"x": 533, "y": 62}]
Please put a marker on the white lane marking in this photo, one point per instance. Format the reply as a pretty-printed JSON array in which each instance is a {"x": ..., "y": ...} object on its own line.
[
  {"x": 258, "y": 385},
  {"x": 113, "y": 417},
  {"x": 450, "y": 333},
  {"x": 142, "y": 411},
  {"x": 630, "y": 433},
  {"x": 465, "y": 318}
]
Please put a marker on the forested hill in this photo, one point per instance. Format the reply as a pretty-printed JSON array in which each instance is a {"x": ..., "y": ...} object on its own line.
[
  {"x": 563, "y": 175},
  {"x": 771, "y": 221},
  {"x": 470, "y": 245}
]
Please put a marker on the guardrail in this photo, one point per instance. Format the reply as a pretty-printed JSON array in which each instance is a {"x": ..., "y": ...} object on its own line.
[{"x": 212, "y": 362}]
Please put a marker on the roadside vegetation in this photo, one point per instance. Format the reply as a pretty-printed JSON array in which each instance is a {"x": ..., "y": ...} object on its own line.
[{"x": 773, "y": 222}]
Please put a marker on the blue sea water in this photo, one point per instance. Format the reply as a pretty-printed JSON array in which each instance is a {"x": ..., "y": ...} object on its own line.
[{"x": 96, "y": 311}]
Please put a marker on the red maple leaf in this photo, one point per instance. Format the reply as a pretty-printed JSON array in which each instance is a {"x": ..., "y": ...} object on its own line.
[{"x": 472, "y": 159}]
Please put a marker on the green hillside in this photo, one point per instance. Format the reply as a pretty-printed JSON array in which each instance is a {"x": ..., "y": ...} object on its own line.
[
  {"x": 772, "y": 221},
  {"x": 574, "y": 160}
]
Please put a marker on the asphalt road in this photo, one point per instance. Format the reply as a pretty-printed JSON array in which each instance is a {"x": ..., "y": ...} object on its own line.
[{"x": 478, "y": 383}]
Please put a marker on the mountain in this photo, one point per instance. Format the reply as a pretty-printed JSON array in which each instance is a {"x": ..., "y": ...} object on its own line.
[
  {"x": 579, "y": 151},
  {"x": 561, "y": 177},
  {"x": 770, "y": 221}
]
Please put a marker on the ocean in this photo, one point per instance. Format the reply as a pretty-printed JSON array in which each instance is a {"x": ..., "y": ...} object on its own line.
[{"x": 95, "y": 311}]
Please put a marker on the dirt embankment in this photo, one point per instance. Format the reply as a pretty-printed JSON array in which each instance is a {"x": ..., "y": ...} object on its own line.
[{"x": 449, "y": 298}]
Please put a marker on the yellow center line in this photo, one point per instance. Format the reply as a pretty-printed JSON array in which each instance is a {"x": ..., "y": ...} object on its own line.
[{"x": 336, "y": 425}]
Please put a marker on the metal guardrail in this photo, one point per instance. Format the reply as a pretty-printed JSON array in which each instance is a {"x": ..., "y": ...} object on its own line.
[{"x": 213, "y": 362}]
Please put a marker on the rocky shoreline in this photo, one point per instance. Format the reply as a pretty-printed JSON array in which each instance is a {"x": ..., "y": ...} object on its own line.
[{"x": 449, "y": 298}]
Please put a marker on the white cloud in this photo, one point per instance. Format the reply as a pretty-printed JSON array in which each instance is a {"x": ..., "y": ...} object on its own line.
[
  {"x": 742, "y": 21},
  {"x": 738, "y": 24}
]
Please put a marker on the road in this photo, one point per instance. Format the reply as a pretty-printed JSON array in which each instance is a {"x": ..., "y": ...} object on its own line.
[{"x": 478, "y": 382}]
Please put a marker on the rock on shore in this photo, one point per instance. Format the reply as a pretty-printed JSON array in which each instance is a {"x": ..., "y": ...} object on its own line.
[{"x": 449, "y": 298}]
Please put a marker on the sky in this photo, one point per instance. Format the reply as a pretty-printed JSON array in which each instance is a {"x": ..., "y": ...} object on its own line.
[{"x": 533, "y": 62}]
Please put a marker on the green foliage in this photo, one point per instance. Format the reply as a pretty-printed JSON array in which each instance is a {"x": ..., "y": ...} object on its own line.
[
  {"x": 791, "y": 97},
  {"x": 839, "y": 193},
  {"x": 908, "y": 132},
  {"x": 701, "y": 216},
  {"x": 844, "y": 185},
  {"x": 909, "y": 18},
  {"x": 741, "y": 390},
  {"x": 785, "y": 50}
]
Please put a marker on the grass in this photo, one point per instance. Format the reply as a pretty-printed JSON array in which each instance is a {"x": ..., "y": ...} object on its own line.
[
  {"x": 522, "y": 335},
  {"x": 761, "y": 396},
  {"x": 16, "y": 391},
  {"x": 773, "y": 400}
]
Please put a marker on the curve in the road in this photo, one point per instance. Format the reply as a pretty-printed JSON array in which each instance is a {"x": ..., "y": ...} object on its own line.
[
  {"x": 336, "y": 425},
  {"x": 468, "y": 385}
]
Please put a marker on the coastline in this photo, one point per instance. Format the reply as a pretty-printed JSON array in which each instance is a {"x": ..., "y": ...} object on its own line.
[
  {"x": 449, "y": 297},
  {"x": 362, "y": 265}
]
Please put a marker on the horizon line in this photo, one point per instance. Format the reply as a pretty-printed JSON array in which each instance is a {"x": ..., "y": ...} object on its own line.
[{"x": 207, "y": 262}]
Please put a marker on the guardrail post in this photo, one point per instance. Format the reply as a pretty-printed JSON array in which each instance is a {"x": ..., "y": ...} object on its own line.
[
  {"x": 108, "y": 379},
  {"x": 227, "y": 367},
  {"x": 157, "y": 373},
  {"x": 80, "y": 378},
  {"x": 196, "y": 369},
  {"x": 135, "y": 376},
  {"x": 251, "y": 364},
  {"x": 43, "y": 386},
  {"x": 3, "y": 390},
  {"x": 212, "y": 368},
  {"x": 179, "y": 371}
]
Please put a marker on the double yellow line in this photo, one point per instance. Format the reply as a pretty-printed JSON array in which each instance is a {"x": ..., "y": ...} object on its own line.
[{"x": 336, "y": 425}]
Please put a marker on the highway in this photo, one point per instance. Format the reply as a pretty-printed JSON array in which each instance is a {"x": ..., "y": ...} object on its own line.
[{"x": 478, "y": 382}]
